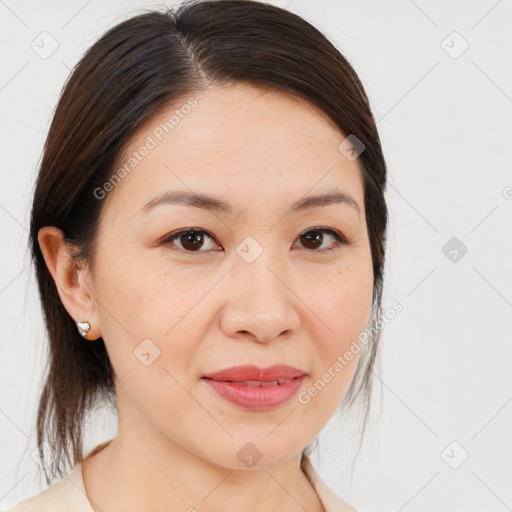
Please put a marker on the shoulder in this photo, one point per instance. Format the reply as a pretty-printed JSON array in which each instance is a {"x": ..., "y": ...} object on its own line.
[
  {"x": 66, "y": 495},
  {"x": 51, "y": 499}
]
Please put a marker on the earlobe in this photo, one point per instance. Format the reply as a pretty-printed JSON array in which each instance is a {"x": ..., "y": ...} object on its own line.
[{"x": 75, "y": 296}]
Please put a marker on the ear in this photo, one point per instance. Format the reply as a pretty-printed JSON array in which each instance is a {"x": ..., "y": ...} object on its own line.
[{"x": 73, "y": 283}]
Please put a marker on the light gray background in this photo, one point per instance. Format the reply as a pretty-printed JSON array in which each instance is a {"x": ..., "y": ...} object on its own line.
[{"x": 445, "y": 126}]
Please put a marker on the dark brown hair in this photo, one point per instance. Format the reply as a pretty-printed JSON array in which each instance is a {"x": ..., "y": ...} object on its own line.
[{"x": 138, "y": 68}]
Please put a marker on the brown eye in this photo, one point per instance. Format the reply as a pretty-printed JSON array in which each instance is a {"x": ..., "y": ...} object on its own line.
[
  {"x": 190, "y": 240},
  {"x": 314, "y": 238},
  {"x": 194, "y": 240}
]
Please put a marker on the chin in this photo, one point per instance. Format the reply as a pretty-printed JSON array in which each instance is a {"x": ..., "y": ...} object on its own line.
[{"x": 247, "y": 454}]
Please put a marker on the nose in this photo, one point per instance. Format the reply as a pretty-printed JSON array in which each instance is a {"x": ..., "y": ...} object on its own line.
[{"x": 260, "y": 301}]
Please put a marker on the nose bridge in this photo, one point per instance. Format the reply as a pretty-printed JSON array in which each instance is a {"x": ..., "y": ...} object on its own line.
[
  {"x": 262, "y": 270},
  {"x": 258, "y": 299}
]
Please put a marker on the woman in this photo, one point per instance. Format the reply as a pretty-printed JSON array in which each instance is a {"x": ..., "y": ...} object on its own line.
[{"x": 208, "y": 230}]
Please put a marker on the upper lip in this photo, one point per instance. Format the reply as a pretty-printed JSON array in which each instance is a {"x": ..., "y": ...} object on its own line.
[{"x": 250, "y": 372}]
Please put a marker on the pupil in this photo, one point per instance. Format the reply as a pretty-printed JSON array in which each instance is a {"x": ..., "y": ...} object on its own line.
[
  {"x": 313, "y": 237},
  {"x": 192, "y": 239}
]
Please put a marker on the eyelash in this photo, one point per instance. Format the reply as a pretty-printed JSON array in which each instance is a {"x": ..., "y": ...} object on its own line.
[{"x": 340, "y": 240}]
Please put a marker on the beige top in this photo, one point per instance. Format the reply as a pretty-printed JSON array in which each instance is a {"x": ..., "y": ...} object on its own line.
[{"x": 68, "y": 494}]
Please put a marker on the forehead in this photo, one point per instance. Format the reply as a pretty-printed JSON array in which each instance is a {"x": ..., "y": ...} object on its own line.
[{"x": 246, "y": 141}]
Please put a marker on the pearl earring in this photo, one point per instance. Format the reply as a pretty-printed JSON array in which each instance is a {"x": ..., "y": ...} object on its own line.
[{"x": 83, "y": 328}]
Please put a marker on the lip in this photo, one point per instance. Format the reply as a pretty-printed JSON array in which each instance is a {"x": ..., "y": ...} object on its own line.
[
  {"x": 251, "y": 372},
  {"x": 226, "y": 384}
]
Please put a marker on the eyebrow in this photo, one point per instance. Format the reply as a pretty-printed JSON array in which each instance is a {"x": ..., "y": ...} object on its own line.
[{"x": 207, "y": 202}]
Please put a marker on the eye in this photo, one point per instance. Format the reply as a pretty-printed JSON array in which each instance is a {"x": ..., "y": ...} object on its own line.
[
  {"x": 315, "y": 237},
  {"x": 191, "y": 240}
]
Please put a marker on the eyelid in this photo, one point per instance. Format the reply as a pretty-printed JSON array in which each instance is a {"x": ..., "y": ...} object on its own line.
[
  {"x": 341, "y": 240},
  {"x": 167, "y": 239}
]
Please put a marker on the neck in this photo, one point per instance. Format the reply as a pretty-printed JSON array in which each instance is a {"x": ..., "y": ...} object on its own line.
[{"x": 139, "y": 472}]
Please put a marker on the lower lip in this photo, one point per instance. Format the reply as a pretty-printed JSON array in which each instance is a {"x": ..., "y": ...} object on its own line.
[{"x": 256, "y": 397}]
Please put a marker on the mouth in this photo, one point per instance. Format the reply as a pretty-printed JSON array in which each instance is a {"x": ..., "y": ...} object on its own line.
[
  {"x": 254, "y": 388},
  {"x": 256, "y": 383},
  {"x": 252, "y": 375}
]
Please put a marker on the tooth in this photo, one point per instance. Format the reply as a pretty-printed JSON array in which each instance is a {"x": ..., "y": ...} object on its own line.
[
  {"x": 259, "y": 383},
  {"x": 251, "y": 383},
  {"x": 267, "y": 384}
]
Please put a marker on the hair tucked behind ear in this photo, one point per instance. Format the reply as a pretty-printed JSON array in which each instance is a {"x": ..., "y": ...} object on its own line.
[{"x": 135, "y": 70}]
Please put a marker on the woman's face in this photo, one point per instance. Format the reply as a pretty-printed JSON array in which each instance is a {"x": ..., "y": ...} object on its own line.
[{"x": 258, "y": 285}]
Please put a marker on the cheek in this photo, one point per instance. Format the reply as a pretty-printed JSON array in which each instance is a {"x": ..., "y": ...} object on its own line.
[
  {"x": 345, "y": 308},
  {"x": 140, "y": 301},
  {"x": 136, "y": 290}
]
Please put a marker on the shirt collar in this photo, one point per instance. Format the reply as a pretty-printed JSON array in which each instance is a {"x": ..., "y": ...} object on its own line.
[{"x": 330, "y": 500}]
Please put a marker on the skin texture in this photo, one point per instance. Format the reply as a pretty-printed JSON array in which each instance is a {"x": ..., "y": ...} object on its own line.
[{"x": 296, "y": 304}]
